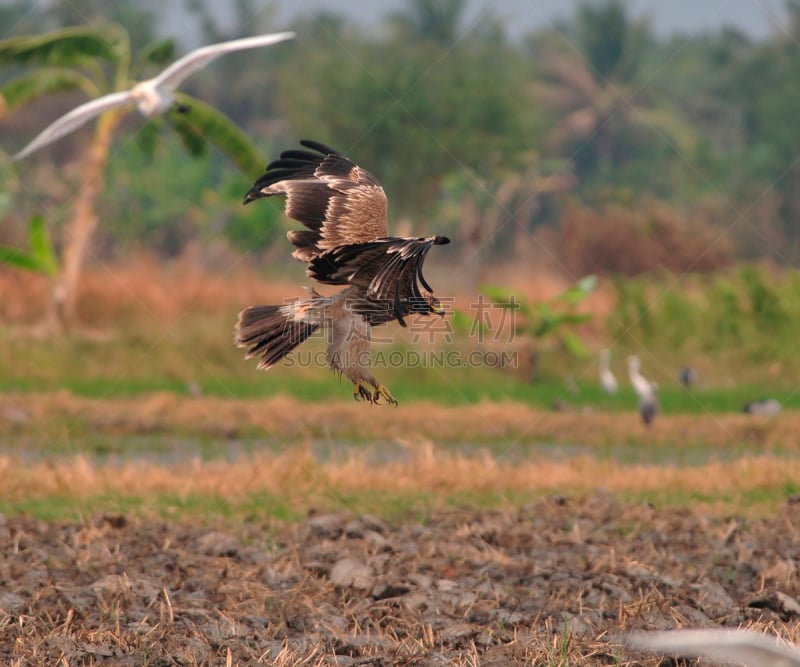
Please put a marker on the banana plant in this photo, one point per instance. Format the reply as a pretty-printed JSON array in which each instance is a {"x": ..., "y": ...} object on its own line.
[
  {"x": 40, "y": 255},
  {"x": 554, "y": 318},
  {"x": 98, "y": 61}
]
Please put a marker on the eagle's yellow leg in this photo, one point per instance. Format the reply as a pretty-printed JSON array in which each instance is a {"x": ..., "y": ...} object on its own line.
[
  {"x": 361, "y": 392},
  {"x": 383, "y": 392}
]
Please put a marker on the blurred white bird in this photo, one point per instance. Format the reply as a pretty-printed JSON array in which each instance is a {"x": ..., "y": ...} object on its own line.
[
  {"x": 607, "y": 379},
  {"x": 153, "y": 96},
  {"x": 740, "y": 647},
  {"x": 645, "y": 390},
  {"x": 768, "y": 407}
]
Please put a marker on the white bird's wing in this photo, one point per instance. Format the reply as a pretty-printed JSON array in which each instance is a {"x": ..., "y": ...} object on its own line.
[
  {"x": 183, "y": 68},
  {"x": 738, "y": 647},
  {"x": 71, "y": 121},
  {"x": 170, "y": 78}
]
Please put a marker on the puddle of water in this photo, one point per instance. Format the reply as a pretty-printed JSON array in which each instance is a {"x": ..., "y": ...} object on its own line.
[{"x": 167, "y": 450}]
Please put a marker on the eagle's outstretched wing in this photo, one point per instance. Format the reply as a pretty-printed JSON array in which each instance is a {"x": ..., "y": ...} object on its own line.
[
  {"x": 387, "y": 272},
  {"x": 339, "y": 202}
]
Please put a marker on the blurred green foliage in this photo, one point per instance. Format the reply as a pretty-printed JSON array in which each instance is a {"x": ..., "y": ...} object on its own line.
[
  {"x": 39, "y": 256},
  {"x": 748, "y": 315},
  {"x": 553, "y": 318},
  {"x": 704, "y": 124}
]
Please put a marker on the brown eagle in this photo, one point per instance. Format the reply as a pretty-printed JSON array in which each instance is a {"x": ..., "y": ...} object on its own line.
[{"x": 343, "y": 208}]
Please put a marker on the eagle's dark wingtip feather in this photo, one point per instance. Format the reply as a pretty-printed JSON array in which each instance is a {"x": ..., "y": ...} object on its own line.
[
  {"x": 319, "y": 147},
  {"x": 441, "y": 240},
  {"x": 252, "y": 195}
]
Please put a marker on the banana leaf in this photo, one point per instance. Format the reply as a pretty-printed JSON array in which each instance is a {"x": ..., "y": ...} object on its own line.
[
  {"x": 65, "y": 47},
  {"x": 197, "y": 124},
  {"x": 40, "y": 258},
  {"x": 32, "y": 85}
]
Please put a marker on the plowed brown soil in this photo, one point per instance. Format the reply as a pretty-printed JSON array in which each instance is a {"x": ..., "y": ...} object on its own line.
[{"x": 556, "y": 582}]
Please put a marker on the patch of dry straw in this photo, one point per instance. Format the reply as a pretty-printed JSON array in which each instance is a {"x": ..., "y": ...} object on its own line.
[{"x": 295, "y": 473}]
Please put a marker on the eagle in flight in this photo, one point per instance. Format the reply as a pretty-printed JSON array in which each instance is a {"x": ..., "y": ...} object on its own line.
[{"x": 345, "y": 242}]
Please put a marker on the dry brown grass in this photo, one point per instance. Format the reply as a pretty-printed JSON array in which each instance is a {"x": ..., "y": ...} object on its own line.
[
  {"x": 725, "y": 457},
  {"x": 304, "y": 481},
  {"x": 114, "y": 294}
]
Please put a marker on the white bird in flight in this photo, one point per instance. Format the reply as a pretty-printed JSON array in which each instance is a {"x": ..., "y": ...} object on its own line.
[
  {"x": 153, "y": 96},
  {"x": 738, "y": 647}
]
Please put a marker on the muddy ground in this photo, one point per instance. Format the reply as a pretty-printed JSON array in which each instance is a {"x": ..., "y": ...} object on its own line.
[{"x": 556, "y": 582}]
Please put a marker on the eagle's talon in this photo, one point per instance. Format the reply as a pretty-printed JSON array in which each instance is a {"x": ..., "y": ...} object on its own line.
[
  {"x": 381, "y": 391},
  {"x": 362, "y": 393}
]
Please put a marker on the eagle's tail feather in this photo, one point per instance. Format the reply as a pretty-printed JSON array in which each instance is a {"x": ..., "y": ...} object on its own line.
[{"x": 271, "y": 332}]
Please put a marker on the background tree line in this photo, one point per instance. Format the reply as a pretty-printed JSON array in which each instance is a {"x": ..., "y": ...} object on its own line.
[{"x": 592, "y": 125}]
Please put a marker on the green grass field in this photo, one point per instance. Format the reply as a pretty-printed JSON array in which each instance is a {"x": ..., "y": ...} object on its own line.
[
  {"x": 123, "y": 365},
  {"x": 124, "y": 390}
]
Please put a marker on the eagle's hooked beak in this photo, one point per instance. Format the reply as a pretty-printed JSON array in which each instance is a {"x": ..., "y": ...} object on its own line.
[{"x": 436, "y": 306}]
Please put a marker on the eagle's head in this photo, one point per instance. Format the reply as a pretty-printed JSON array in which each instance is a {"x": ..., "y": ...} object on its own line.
[{"x": 435, "y": 305}]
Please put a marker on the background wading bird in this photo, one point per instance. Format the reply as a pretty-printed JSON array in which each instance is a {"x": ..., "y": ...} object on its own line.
[
  {"x": 153, "y": 96},
  {"x": 344, "y": 210},
  {"x": 607, "y": 379},
  {"x": 645, "y": 390},
  {"x": 688, "y": 376}
]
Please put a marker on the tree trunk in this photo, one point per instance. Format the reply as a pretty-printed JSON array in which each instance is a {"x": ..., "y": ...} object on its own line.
[{"x": 78, "y": 231}]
